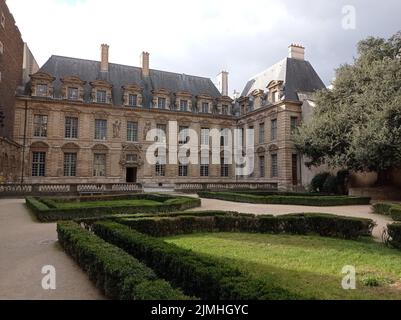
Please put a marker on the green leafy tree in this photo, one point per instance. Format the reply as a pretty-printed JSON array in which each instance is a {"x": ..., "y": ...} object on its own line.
[{"x": 357, "y": 124}]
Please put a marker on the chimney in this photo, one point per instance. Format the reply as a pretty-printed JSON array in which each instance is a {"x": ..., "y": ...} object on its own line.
[
  {"x": 145, "y": 63},
  {"x": 104, "y": 62},
  {"x": 222, "y": 83},
  {"x": 296, "y": 51}
]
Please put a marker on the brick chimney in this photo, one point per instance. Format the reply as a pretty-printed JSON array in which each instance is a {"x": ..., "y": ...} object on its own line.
[
  {"x": 144, "y": 61},
  {"x": 296, "y": 51},
  {"x": 222, "y": 83},
  {"x": 104, "y": 60}
]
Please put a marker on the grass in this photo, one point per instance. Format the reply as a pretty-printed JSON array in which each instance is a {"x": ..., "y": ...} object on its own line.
[
  {"x": 112, "y": 203},
  {"x": 307, "y": 265}
]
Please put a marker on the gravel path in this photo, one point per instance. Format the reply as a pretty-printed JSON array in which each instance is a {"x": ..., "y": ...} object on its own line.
[
  {"x": 351, "y": 211},
  {"x": 25, "y": 247}
]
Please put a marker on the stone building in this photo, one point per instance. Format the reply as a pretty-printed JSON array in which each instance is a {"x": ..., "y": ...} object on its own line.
[
  {"x": 11, "y": 56},
  {"x": 86, "y": 121},
  {"x": 10, "y": 161}
]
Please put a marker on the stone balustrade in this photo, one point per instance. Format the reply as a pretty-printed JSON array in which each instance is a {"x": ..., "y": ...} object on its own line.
[{"x": 218, "y": 186}]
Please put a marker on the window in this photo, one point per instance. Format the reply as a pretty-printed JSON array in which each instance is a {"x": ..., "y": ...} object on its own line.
[
  {"x": 161, "y": 103},
  {"x": 71, "y": 128},
  {"x": 205, "y": 107},
  {"x": 41, "y": 90},
  {"x": 101, "y": 96},
  {"x": 294, "y": 124},
  {"x": 274, "y": 168},
  {"x": 224, "y": 110},
  {"x": 73, "y": 93},
  {"x": 184, "y": 105},
  {"x": 224, "y": 134},
  {"x": 223, "y": 168},
  {"x": 40, "y": 125},
  {"x": 38, "y": 164},
  {"x": 183, "y": 170},
  {"x": 261, "y": 133},
  {"x": 274, "y": 130},
  {"x": 160, "y": 170},
  {"x": 100, "y": 129},
  {"x": 204, "y": 167},
  {"x": 70, "y": 164},
  {"x": 161, "y": 133},
  {"x": 132, "y": 131},
  {"x": 205, "y": 137},
  {"x": 99, "y": 165},
  {"x": 262, "y": 166},
  {"x": 183, "y": 135},
  {"x": 3, "y": 20},
  {"x": 132, "y": 157},
  {"x": 132, "y": 100}
]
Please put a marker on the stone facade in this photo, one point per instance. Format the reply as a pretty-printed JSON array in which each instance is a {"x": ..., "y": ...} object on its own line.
[
  {"x": 11, "y": 56},
  {"x": 82, "y": 126},
  {"x": 10, "y": 161}
]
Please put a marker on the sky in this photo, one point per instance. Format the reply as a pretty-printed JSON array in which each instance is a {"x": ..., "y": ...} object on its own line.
[{"x": 203, "y": 37}]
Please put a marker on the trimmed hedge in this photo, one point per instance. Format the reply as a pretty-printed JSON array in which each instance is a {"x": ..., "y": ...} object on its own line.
[
  {"x": 306, "y": 223},
  {"x": 45, "y": 211},
  {"x": 198, "y": 275},
  {"x": 395, "y": 212},
  {"x": 394, "y": 233},
  {"x": 382, "y": 208},
  {"x": 320, "y": 201},
  {"x": 115, "y": 272}
]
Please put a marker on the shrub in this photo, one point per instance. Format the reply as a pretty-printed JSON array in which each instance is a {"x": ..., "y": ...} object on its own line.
[
  {"x": 318, "y": 182},
  {"x": 116, "y": 273},
  {"x": 198, "y": 275},
  {"x": 46, "y": 210},
  {"x": 382, "y": 208},
  {"x": 330, "y": 185},
  {"x": 320, "y": 201},
  {"x": 306, "y": 223},
  {"x": 395, "y": 212},
  {"x": 342, "y": 181},
  {"x": 394, "y": 233}
]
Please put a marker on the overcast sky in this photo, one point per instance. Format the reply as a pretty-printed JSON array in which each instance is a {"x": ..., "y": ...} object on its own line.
[{"x": 203, "y": 37}]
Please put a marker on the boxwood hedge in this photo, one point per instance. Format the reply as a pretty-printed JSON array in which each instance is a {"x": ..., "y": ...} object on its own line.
[
  {"x": 46, "y": 209},
  {"x": 321, "y": 201},
  {"x": 394, "y": 235},
  {"x": 115, "y": 272},
  {"x": 198, "y": 275}
]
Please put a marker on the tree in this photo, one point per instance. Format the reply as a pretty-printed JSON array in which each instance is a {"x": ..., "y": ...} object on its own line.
[{"x": 357, "y": 124}]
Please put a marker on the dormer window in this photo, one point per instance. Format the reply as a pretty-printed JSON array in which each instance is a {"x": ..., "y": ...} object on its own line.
[
  {"x": 224, "y": 110},
  {"x": 184, "y": 105},
  {"x": 161, "y": 103},
  {"x": 41, "y": 90},
  {"x": 275, "y": 88},
  {"x": 132, "y": 100},
  {"x": 73, "y": 93},
  {"x": 205, "y": 107},
  {"x": 101, "y": 96}
]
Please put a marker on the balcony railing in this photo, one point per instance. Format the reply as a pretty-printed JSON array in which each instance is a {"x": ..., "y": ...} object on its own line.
[{"x": 218, "y": 186}]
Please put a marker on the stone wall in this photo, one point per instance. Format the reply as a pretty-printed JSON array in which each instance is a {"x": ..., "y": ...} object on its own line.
[{"x": 10, "y": 161}]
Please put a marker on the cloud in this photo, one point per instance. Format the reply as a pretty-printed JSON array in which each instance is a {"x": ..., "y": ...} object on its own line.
[{"x": 202, "y": 37}]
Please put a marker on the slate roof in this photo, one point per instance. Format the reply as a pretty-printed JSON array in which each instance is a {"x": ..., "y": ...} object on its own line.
[
  {"x": 121, "y": 75},
  {"x": 297, "y": 75}
]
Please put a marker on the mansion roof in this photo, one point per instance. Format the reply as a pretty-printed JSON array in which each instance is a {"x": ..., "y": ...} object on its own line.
[{"x": 122, "y": 75}]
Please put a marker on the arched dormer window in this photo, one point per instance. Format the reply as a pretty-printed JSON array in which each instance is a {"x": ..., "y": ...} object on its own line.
[
  {"x": 101, "y": 92},
  {"x": 42, "y": 85},
  {"x": 275, "y": 89},
  {"x": 161, "y": 99},
  {"x": 73, "y": 88},
  {"x": 132, "y": 95}
]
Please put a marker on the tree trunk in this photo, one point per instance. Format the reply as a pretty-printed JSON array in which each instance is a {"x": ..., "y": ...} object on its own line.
[{"x": 383, "y": 178}]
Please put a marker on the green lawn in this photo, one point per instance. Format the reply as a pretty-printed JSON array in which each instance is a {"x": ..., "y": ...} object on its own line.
[
  {"x": 109, "y": 203},
  {"x": 309, "y": 265}
]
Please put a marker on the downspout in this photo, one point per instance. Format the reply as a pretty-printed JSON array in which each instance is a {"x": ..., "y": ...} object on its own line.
[{"x": 24, "y": 143}]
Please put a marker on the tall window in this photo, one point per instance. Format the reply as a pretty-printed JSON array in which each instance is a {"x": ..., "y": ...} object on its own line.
[
  {"x": 70, "y": 164},
  {"x": 204, "y": 167},
  {"x": 132, "y": 131},
  {"x": 41, "y": 90},
  {"x": 99, "y": 165},
  {"x": 100, "y": 129},
  {"x": 161, "y": 103},
  {"x": 205, "y": 107},
  {"x": 40, "y": 125},
  {"x": 161, "y": 133},
  {"x": 132, "y": 100},
  {"x": 38, "y": 164},
  {"x": 274, "y": 129},
  {"x": 261, "y": 133},
  {"x": 274, "y": 168},
  {"x": 160, "y": 169},
  {"x": 184, "y": 105},
  {"x": 223, "y": 167},
  {"x": 101, "y": 96},
  {"x": 224, "y": 110},
  {"x": 183, "y": 135},
  {"x": 224, "y": 134},
  {"x": 294, "y": 124},
  {"x": 73, "y": 93},
  {"x": 183, "y": 170},
  {"x": 71, "y": 128},
  {"x": 205, "y": 137},
  {"x": 262, "y": 166}
]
